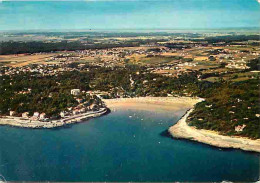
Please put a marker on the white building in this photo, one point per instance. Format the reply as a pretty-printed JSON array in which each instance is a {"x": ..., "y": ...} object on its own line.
[
  {"x": 36, "y": 114},
  {"x": 12, "y": 113},
  {"x": 62, "y": 114},
  {"x": 75, "y": 91}
]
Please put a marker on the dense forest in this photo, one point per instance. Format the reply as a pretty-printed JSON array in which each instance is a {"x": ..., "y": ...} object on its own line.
[
  {"x": 228, "y": 38},
  {"x": 38, "y": 46},
  {"x": 254, "y": 64},
  {"x": 233, "y": 38},
  {"x": 12, "y": 47},
  {"x": 230, "y": 105}
]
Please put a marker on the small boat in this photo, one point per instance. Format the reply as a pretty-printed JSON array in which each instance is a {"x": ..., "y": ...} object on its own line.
[{"x": 130, "y": 116}]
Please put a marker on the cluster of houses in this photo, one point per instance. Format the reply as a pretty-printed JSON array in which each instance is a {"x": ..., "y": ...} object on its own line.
[
  {"x": 82, "y": 107},
  {"x": 63, "y": 57},
  {"x": 115, "y": 57},
  {"x": 36, "y": 116},
  {"x": 237, "y": 64},
  {"x": 104, "y": 57},
  {"x": 172, "y": 69},
  {"x": 121, "y": 52},
  {"x": 41, "y": 69}
]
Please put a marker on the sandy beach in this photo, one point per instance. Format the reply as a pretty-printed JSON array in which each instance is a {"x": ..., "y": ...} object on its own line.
[{"x": 152, "y": 103}]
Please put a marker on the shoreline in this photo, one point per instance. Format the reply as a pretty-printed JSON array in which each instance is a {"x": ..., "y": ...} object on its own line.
[
  {"x": 27, "y": 123},
  {"x": 152, "y": 103},
  {"x": 181, "y": 130}
]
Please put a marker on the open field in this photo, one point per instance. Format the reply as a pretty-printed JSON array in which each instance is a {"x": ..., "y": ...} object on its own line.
[
  {"x": 236, "y": 77},
  {"x": 158, "y": 59},
  {"x": 19, "y": 60}
]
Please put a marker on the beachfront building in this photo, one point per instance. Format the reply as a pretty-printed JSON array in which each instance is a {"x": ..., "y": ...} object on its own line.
[
  {"x": 25, "y": 115},
  {"x": 75, "y": 112},
  {"x": 42, "y": 116},
  {"x": 62, "y": 114},
  {"x": 36, "y": 114},
  {"x": 75, "y": 91},
  {"x": 12, "y": 113},
  {"x": 82, "y": 110}
]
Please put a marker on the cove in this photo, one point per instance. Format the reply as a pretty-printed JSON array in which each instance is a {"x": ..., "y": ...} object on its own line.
[{"x": 125, "y": 145}]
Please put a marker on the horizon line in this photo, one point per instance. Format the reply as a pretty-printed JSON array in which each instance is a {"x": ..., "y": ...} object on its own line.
[{"x": 136, "y": 29}]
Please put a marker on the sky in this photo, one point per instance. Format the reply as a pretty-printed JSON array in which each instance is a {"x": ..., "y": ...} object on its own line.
[{"x": 131, "y": 14}]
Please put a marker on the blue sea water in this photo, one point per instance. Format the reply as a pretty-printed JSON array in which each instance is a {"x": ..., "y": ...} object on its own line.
[
  {"x": 129, "y": 14},
  {"x": 116, "y": 147}
]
